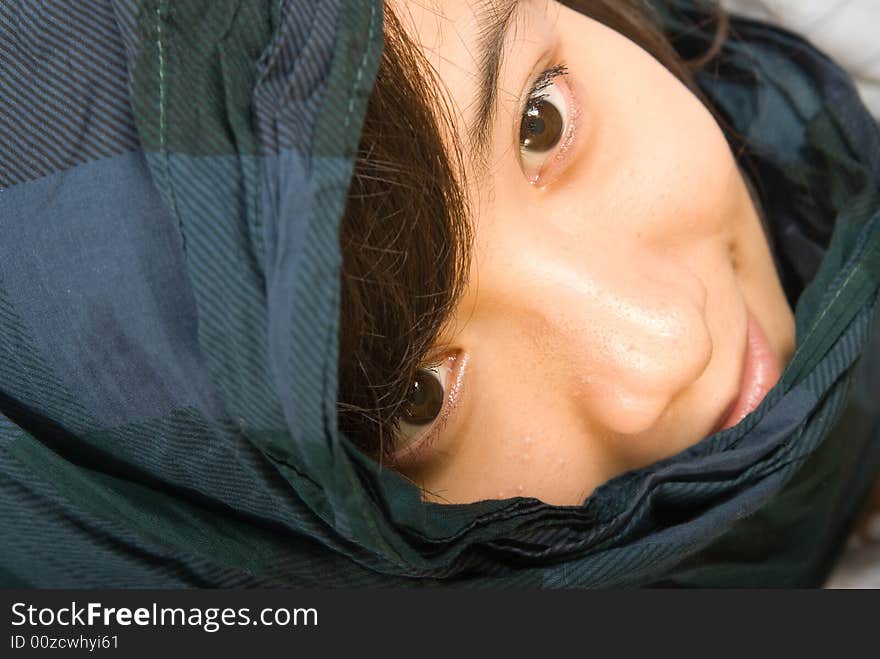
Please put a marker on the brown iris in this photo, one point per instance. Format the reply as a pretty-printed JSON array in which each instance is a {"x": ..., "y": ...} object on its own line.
[
  {"x": 541, "y": 127},
  {"x": 425, "y": 399}
]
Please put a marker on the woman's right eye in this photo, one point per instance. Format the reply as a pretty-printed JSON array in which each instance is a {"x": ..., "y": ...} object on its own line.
[
  {"x": 544, "y": 124},
  {"x": 424, "y": 404}
]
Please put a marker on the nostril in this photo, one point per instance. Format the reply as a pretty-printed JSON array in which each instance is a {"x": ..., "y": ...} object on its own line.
[
  {"x": 650, "y": 370},
  {"x": 703, "y": 296},
  {"x": 701, "y": 346},
  {"x": 631, "y": 414},
  {"x": 691, "y": 353}
]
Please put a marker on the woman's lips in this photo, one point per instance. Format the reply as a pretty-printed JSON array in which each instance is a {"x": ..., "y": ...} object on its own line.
[{"x": 760, "y": 373}]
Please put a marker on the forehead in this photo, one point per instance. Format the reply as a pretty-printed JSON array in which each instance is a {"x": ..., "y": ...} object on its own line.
[
  {"x": 471, "y": 46},
  {"x": 450, "y": 32},
  {"x": 446, "y": 31}
]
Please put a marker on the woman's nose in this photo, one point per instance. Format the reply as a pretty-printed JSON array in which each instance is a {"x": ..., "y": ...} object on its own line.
[
  {"x": 652, "y": 344},
  {"x": 632, "y": 333}
]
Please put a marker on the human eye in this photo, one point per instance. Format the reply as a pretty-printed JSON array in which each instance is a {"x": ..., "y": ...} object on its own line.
[
  {"x": 546, "y": 125},
  {"x": 427, "y": 407}
]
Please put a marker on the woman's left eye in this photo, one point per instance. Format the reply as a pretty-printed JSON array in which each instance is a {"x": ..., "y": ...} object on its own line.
[
  {"x": 425, "y": 403},
  {"x": 544, "y": 123}
]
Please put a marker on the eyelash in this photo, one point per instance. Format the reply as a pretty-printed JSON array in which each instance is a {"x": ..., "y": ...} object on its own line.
[
  {"x": 543, "y": 81},
  {"x": 424, "y": 444},
  {"x": 451, "y": 399}
]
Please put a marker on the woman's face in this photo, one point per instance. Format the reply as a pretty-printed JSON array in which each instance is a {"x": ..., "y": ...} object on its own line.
[{"x": 618, "y": 260}]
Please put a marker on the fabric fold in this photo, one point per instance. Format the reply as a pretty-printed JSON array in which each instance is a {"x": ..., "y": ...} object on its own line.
[{"x": 169, "y": 316}]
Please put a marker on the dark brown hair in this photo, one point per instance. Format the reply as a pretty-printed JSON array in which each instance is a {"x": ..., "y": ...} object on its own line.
[{"x": 406, "y": 236}]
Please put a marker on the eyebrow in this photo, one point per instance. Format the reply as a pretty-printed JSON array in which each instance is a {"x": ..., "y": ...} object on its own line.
[{"x": 494, "y": 18}]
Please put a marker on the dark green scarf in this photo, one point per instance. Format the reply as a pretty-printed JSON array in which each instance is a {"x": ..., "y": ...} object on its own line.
[{"x": 169, "y": 307}]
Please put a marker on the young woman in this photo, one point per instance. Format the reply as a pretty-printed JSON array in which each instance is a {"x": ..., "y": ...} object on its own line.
[
  {"x": 619, "y": 300},
  {"x": 600, "y": 289}
]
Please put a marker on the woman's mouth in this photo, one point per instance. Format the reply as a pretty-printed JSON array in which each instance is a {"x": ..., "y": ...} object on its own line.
[{"x": 760, "y": 373}]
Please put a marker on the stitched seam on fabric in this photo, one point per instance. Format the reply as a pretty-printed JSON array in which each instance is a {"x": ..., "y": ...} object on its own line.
[
  {"x": 357, "y": 81},
  {"x": 857, "y": 267},
  {"x": 163, "y": 151},
  {"x": 329, "y": 413},
  {"x": 363, "y": 64}
]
